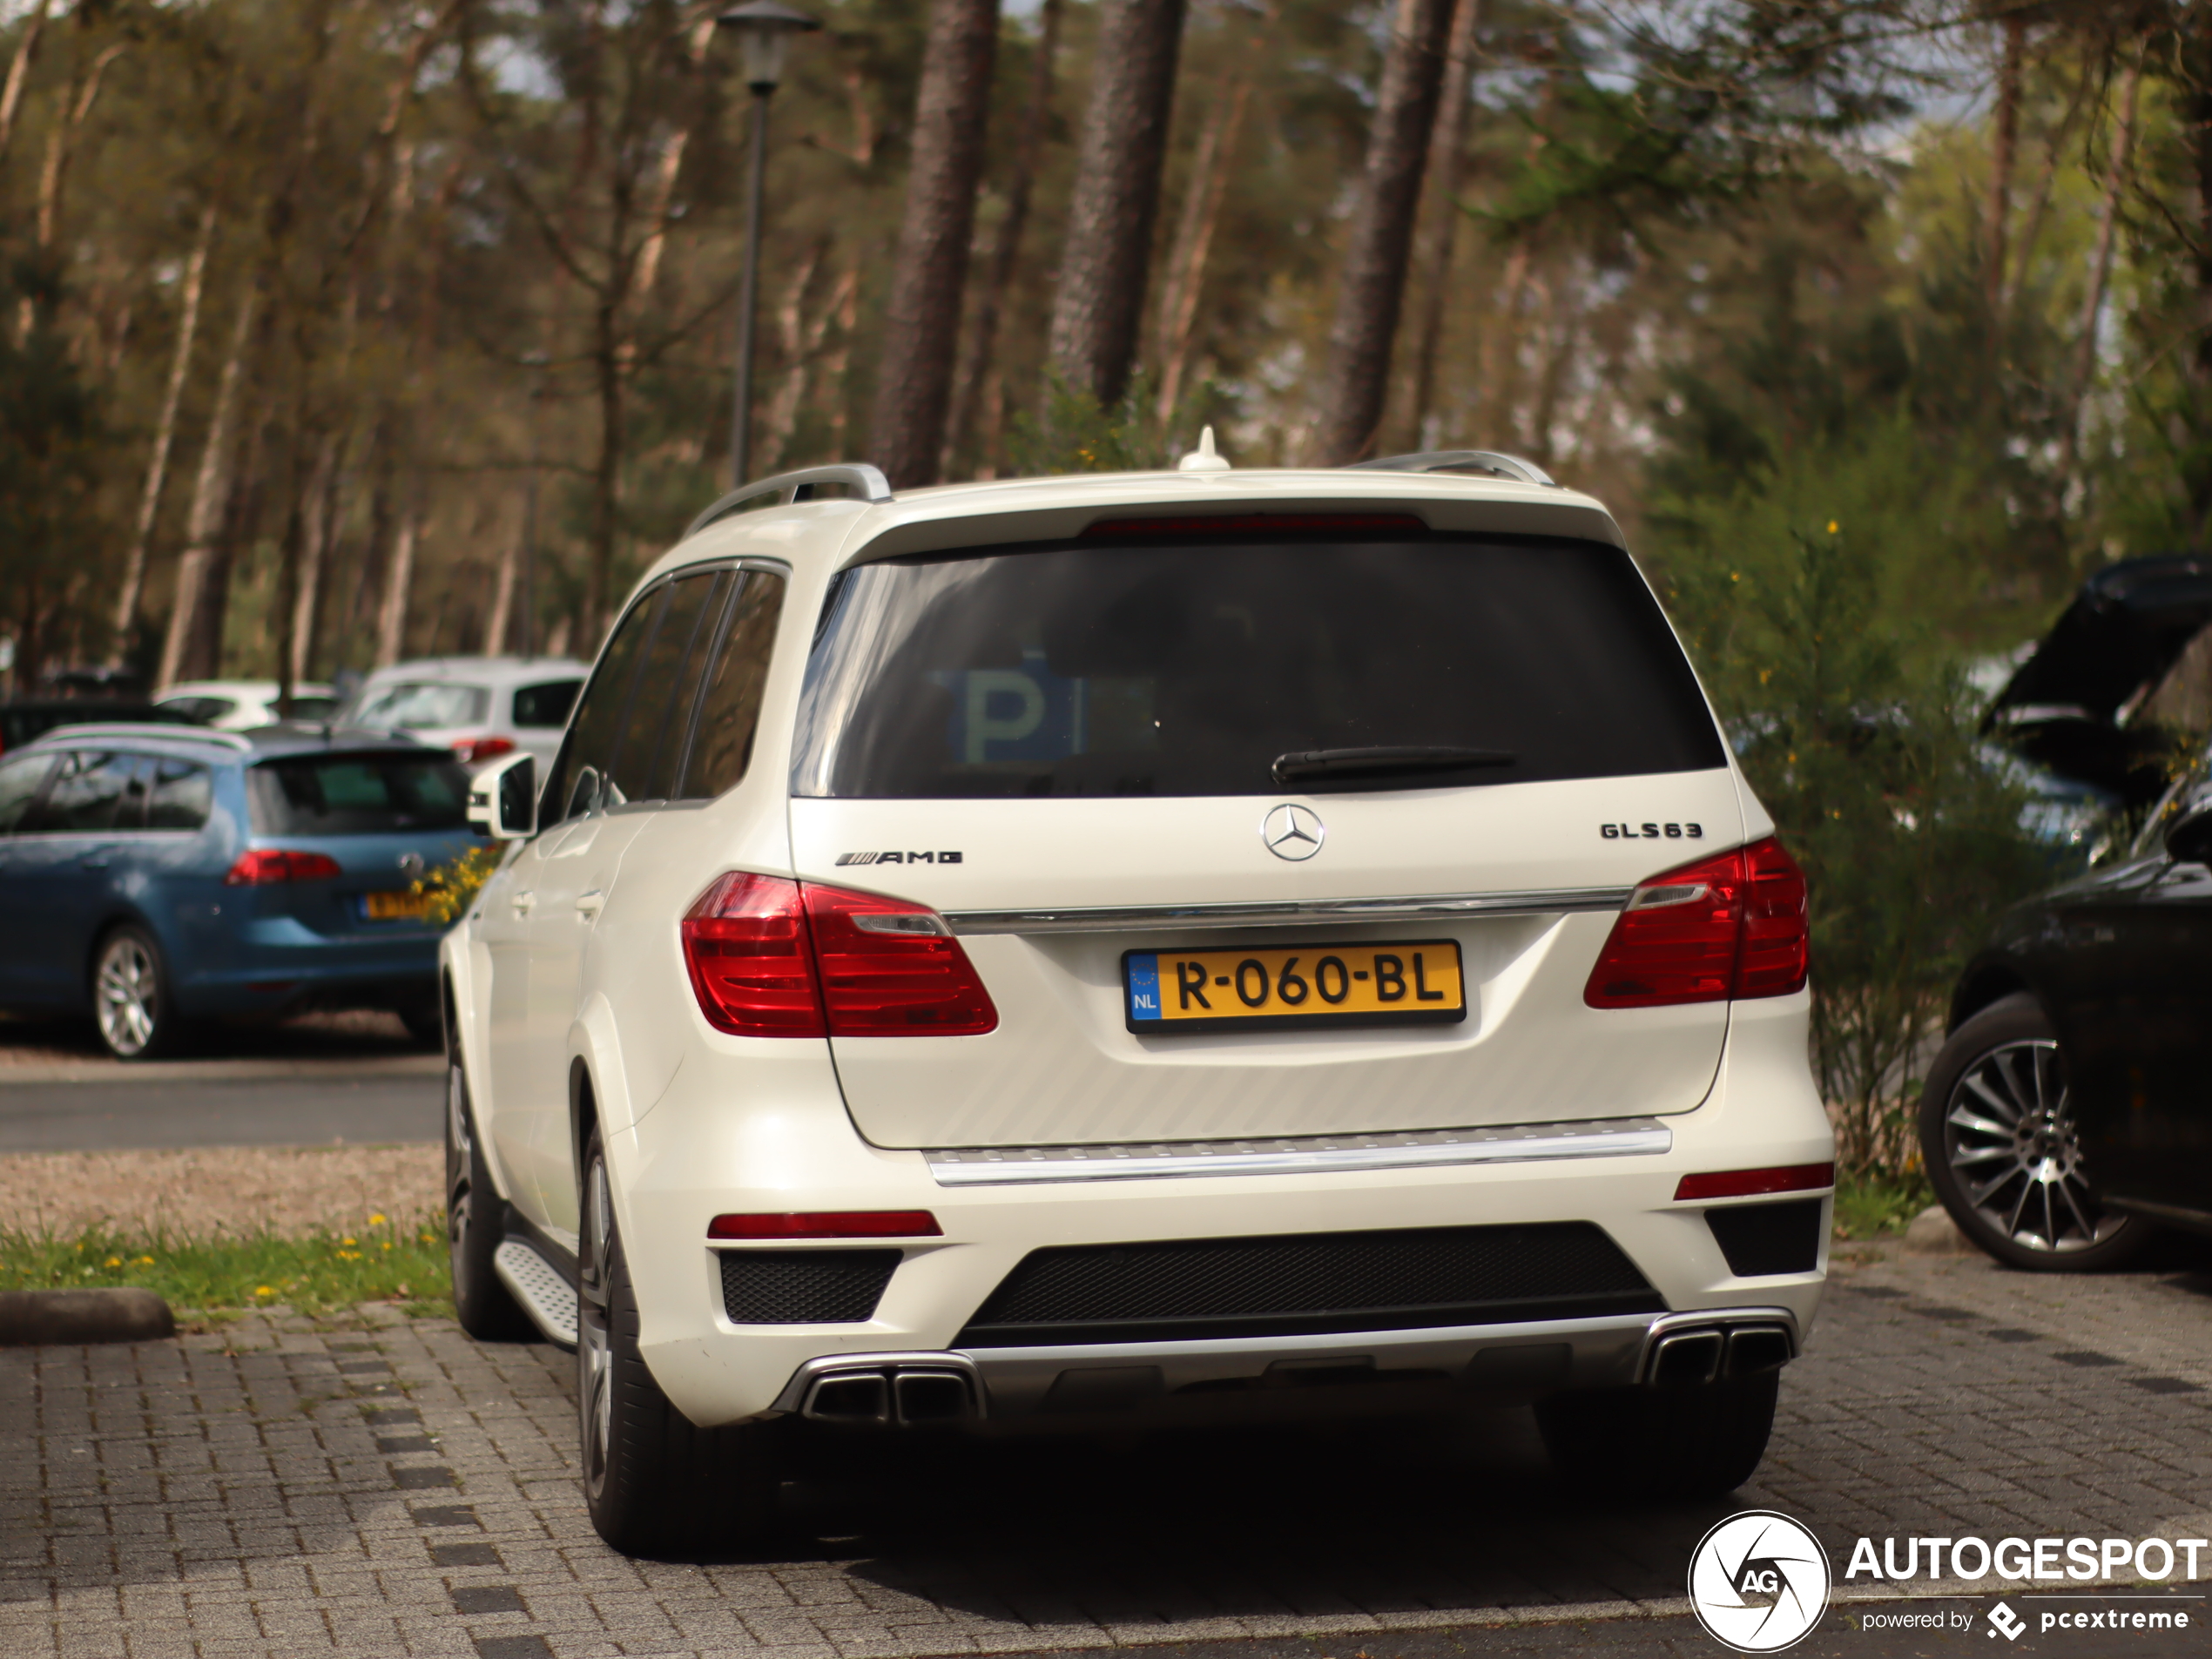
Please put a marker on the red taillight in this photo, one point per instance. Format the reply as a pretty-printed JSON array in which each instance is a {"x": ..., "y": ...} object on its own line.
[
  {"x": 1747, "y": 1183},
  {"x": 1727, "y": 926},
  {"x": 469, "y": 750},
  {"x": 769, "y": 958},
  {"x": 891, "y": 969},
  {"x": 264, "y": 864},
  {"x": 744, "y": 944},
  {"x": 835, "y": 1224}
]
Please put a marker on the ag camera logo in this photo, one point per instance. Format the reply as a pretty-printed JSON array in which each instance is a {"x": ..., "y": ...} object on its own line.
[{"x": 1759, "y": 1581}]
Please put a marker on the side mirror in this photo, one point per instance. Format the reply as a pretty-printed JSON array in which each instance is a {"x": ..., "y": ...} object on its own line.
[
  {"x": 502, "y": 798},
  {"x": 2189, "y": 838}
]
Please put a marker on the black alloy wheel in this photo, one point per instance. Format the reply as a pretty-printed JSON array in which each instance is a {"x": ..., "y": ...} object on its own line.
[{"x": 2001, "y": 1148}]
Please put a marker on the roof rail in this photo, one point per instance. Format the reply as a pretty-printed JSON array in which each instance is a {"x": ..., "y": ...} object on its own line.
[
  {"x": 866, "y": 481},
  {"x": 177, "y": 731},
  {"x": 1497, "y": 466}
]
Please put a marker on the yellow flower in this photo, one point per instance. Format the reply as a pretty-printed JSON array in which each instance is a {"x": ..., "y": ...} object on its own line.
[
  {"x": 146, "y": 1261},
  {"x": 376, "y": 1221},
  {"x": 1832, "y": 527},
  {"x": 112, "y": 1261},
  {"x": 387, "y": 1244},
  {"x": 263, "y": 1289},
  {"x": 350, "y": 1255},
  {"x": 345, "y": 1241}
]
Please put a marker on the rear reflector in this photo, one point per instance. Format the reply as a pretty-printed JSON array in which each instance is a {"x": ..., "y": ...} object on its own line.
[
  {"x": 469, "y": 750},
  {"x": 770, "y": 958},
  {"x": 1263, "y": 523},
  {"x": 830, "y": 1224},
  {"x": 264, "y": 864},
  {"x": 1747, "y": 1183},
  {"x": 1732, "y": 925}
]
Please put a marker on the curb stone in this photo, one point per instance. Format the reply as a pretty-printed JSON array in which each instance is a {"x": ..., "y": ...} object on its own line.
[{"x": 57, "y": 1318}]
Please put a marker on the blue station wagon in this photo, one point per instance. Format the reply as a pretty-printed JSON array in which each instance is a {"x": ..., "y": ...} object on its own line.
[{"x": 157, "y": 875}]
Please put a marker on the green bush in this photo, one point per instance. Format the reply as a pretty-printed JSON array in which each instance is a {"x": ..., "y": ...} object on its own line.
[{"x": 1813, "y": 597}]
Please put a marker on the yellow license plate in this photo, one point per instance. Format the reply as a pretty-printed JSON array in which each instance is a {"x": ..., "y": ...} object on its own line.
[
  {"x": 395, "y": 907},
  {"x": 1300, "y": 987}
]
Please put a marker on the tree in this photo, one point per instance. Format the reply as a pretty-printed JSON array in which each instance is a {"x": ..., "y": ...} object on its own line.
[
  {"x": 1099, "y": 305},
  {"x": 921, "y": 323},
  {"x": 1371, "y": 290}
]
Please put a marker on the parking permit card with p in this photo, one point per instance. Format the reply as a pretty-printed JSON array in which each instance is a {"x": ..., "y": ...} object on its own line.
[{"x": 1174, "y": 993}]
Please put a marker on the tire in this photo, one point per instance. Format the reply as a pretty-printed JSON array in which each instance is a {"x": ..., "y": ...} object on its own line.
[
  {"x": 425, "y": 1023},
  {"x": 1997, "y": 1137},
  {"x": 656, "y": 1485},
  {"x": 474, "y": 1218},
  {"x": 131, "y": 1006},
  {"x": 1670, "y": 1444}
]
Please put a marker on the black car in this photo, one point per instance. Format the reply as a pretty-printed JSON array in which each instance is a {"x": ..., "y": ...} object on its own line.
[{"x": 2071, "y": 1108}]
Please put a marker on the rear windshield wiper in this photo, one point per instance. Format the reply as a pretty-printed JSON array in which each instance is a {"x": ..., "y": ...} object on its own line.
[{"x": 1382, "y": 761}]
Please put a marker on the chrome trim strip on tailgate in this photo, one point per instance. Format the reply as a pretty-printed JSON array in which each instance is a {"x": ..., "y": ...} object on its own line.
[
  {"x": 997, "y": 1166},
  {"x": 1154, "y": 917}
]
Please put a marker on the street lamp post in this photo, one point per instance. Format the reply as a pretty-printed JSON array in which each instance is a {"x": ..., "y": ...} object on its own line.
[{"x": 764, "y": 29}]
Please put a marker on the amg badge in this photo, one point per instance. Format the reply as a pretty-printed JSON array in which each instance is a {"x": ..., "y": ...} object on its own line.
[{"x": 898, "y": 858}]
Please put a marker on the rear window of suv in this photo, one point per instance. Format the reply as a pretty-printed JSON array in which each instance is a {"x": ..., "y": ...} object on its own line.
[
  {"x": 373, "y": 794},
  {"x": 1153, "y": 669}
]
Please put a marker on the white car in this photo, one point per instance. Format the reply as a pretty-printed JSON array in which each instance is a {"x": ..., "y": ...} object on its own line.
[
  {"x": 1148, "y": 949},
  {"x": 479, "y": 707},
  {"x": 240, "y": 705}
]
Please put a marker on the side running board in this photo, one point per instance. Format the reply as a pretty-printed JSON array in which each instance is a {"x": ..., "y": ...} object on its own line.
[{"x": 537, "y": 1285}]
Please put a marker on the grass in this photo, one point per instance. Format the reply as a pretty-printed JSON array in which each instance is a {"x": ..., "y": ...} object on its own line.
[
  {"x": 1872, "y": 1206},
  {"x": 319, "y": 1274}
]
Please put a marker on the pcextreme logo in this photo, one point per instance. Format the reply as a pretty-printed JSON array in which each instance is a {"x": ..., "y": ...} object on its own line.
[{"x": 1758, "y": 1581}]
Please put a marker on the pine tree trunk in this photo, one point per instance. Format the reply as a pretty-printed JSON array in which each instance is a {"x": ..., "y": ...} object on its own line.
[
  {"x": 979, "y": 360},
  {"x": 399, "y": 585},
  {"x": 2004, "y": 153},
  {"x": 2092, "y": 306},
  {"x": 1099, "y": 306},
  {"x": 204, "y": 520},
  {"x": 1442, "y": 224},
  {"x": 318, "y": 531},
  {"x": 502, "y": 599},
  {"x": 1210, "y": 170},
  {"x": 19, "y": 74},
  {"x": 164, "y": 436},
  {"x": 1372, "y": 290},
  {"x": 929, "y": 271}
]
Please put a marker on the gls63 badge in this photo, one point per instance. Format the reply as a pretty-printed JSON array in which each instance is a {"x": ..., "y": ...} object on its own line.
[{"x": 1758, "y": 1581}]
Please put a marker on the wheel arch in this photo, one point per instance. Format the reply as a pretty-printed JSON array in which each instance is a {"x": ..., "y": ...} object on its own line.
[{"x": 1987, "y": 981}]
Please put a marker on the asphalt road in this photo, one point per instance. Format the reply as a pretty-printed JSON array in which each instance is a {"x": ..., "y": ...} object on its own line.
[{"x": 134, "y": 1112}]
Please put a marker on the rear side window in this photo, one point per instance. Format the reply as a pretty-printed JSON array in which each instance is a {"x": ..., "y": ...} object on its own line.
[
  {"x": 373, "y": 794},
  {"x": 201, "y": 710},
  {"x": 547, "y": 704},
  {"x": 1187, "y": 669},
  {"x": 183, "y": 796},
  {"x": 670, "y": 713},
  {"x": 314, "y": 708},
  {"x": 425, "y": 706},
  {"x": 19, "y": 781},
  {"x": 95, "y": 792}
]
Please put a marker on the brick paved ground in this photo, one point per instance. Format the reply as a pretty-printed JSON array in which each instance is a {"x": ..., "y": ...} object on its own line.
[{"x": 402, "y": 1490}]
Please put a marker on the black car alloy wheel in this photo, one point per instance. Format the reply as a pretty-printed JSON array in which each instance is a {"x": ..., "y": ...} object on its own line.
[{"x": 2002, "y": 1149}]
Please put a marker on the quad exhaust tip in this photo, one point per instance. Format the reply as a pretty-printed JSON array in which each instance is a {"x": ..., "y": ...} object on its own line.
[
  {"x": 900, "y": 1395},
  {"x": 1689, "y": 1358}
]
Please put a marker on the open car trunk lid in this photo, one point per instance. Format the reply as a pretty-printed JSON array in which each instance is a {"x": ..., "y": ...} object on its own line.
[{"x": 1074, "y": 753}]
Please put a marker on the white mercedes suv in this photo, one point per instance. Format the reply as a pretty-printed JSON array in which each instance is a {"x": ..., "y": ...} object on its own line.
[{"x": 1128, "y": 949}]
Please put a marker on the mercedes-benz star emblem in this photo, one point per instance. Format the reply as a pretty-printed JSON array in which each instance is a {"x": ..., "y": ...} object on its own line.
[
  {"x": 1292, "y": 833},
  {"x": 410, "y": 864}
]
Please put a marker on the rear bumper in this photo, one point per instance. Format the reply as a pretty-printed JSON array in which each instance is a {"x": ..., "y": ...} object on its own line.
[
  {"x": 1015, "y": 1387},
  {"x": 732, "y": 1137}
]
